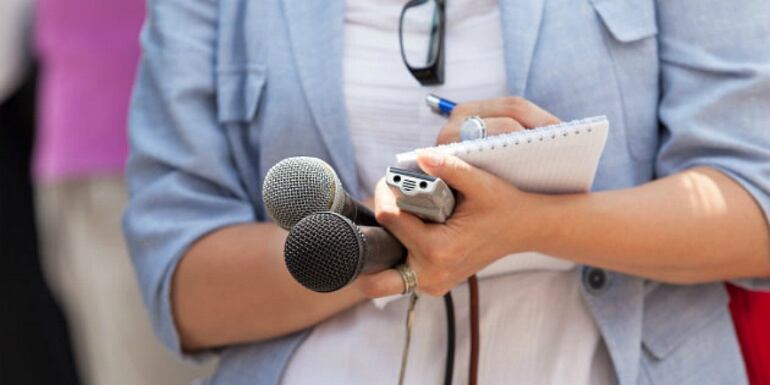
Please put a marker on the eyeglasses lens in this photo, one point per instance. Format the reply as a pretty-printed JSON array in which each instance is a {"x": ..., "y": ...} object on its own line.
[{"x": 420, "y": 33}]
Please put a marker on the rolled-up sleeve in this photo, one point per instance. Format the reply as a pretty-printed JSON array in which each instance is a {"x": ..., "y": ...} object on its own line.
[
  {"x": 715, "y": 105},
  {"x": 182, "y": 182}
]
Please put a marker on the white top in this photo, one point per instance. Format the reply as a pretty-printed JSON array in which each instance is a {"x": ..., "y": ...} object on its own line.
[
  {"x": 535, "y": 328},
  {"x": 14, "y": 22}
]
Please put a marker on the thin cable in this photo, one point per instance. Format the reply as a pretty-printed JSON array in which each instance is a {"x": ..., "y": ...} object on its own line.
[
  {"x": 473, "y": 372},
  {"x": 409, "y": 324},
  {"x": 450, "y": 338},
  {"x": 450, "y": 323}
]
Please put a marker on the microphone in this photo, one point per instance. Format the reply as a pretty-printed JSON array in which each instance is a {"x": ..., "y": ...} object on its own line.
[
  {"x": 326, "y": 251},
  {"x": 297, "y": 187}
]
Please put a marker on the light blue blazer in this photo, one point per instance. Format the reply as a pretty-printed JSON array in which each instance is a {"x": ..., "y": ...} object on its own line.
[{"x": 227, "y": 88}]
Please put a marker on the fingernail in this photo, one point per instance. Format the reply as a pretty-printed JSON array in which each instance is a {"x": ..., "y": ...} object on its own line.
[{"x": 430, "y": 158}]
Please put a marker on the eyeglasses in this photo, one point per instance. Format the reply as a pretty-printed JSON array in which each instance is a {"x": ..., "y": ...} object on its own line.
[{"x": 423, "y": 57}]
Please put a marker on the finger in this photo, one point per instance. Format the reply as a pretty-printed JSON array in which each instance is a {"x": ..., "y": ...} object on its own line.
[
  {"x": 453, "y": 170},
  {"x": 383, "y": 196},
  {"x": 450, "y": 133},
  {"x": 382, "y": 284},
  {"x": 496, "y": 126},
  {"x": 525, "y": 112},
  {"x": 406, "y": 227}
]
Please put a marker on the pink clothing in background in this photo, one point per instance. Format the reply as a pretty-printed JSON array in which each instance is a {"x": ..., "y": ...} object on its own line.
[{"x": 89, "y": 51}]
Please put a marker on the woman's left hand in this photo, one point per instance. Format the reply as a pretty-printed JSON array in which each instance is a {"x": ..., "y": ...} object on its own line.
[{"x": 492, "y": 218}]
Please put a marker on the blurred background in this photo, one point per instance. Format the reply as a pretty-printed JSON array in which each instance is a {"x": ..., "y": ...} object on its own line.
[{"x": 70, "y": 308}]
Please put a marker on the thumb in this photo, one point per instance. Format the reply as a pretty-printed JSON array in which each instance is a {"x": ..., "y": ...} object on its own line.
[{"x": 453, "y": 170}]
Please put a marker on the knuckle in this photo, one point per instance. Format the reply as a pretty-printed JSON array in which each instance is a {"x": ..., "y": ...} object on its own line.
[
  {"x": 516, "y": 103},
  {"x": 441, "y": 255},
  {"x": 515, "y": 100},
  {"x": 443, "y": 277},
  {"x": 513, "y": 125},
  {"x": 434, "y": 256},
  {"x": 450, "y": 163},
  {"x": 457, "y": 166},
  {"x": 386, "y": 214},
  {"x": 383, "y": 216},
  {"x": 445, "y": 136},
  {"x": 437, "y": 282},
  {"x": 434, "y": 282},
  {"x": 459, "y": 111},
  {"x": 452, "y": 251},
  {"x": 371, "y": 288},
  {"x": 552, "y": 120},
  {"x": 434, "y": 290}
]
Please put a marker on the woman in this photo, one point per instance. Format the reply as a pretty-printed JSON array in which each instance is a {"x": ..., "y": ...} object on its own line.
[{"x": 227, "y": 89}]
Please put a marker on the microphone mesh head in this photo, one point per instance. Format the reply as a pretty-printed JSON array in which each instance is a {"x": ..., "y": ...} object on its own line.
[
  {"x": 324, "y": 252},
  {"x": 297, "y": 187}
]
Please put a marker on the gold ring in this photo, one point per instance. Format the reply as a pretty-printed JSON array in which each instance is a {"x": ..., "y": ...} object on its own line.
[{"x": 409, "y": 277}]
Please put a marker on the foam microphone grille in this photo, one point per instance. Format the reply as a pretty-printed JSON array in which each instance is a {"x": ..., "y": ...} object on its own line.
[
  {"x": 324, "y": 251},
  {"x": 296, "y": 187}
]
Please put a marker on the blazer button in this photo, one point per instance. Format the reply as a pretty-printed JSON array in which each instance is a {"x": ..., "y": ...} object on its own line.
[{"x": 595, "y": 279}]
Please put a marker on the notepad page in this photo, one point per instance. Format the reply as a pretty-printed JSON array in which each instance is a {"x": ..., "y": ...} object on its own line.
[
  {"x": 555, "y": 159},
  {"x": 562, "y": 158}
]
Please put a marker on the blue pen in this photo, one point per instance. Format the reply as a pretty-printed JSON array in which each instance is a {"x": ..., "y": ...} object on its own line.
[{"x": 440, "y": 105}]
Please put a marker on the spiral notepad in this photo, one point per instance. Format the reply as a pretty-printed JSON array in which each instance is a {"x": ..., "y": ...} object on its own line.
[{"x": 555, "y": 159}]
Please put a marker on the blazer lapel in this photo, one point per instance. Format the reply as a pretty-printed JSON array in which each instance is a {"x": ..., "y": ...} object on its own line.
[
  {"x": 521, "y": 26},
  {"x": 616, "y": 313},
  {"x": 316, "y": 34}
]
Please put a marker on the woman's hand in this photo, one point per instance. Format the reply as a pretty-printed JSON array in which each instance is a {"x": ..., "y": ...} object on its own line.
[
  {"x": 491, "y": 219},
  {"x": 489, "y": 210},
  {"x": 501, "y": 115}
]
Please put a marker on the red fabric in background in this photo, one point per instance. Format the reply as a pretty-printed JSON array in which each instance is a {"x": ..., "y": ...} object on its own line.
[{"x": 751, "y": 315}]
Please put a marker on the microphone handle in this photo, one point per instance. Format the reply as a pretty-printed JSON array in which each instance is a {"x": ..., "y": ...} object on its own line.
[
  {"x": 358, "y": 213},
  {"x": 383, "y": 250}
]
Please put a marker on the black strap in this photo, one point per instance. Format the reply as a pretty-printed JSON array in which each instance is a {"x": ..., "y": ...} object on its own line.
[{"x": 450, "y": 338}]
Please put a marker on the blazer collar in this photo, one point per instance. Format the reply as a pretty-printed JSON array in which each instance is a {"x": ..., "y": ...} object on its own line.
[{"x": 316, "y": 33}]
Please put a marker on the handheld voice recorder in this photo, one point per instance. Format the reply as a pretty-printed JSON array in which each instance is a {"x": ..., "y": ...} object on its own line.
[{"x": 420, "y": 194}]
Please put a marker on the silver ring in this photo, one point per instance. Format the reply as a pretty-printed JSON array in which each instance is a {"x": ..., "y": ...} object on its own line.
[
  {"x": 473, "y": 128},
  {"x": 409, "y": 277}
]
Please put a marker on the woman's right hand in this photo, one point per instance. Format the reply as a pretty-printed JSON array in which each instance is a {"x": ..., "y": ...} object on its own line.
[{"x": 500, "y": 115}]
